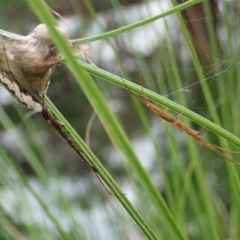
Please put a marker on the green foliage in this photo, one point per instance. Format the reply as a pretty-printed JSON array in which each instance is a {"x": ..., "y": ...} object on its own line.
[{"x": 181, "y": 190}]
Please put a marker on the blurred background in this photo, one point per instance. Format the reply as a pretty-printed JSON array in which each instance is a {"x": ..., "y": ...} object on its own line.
[{"x": 158, "y": 51}]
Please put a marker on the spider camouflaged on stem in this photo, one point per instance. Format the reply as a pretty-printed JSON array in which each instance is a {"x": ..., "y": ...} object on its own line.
[
  {"x": 180, "y": 125},
  {"x": 25, "y": 71}
]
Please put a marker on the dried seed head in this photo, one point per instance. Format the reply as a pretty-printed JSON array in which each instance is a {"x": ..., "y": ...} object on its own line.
[{"x": 29, "y": 58}]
